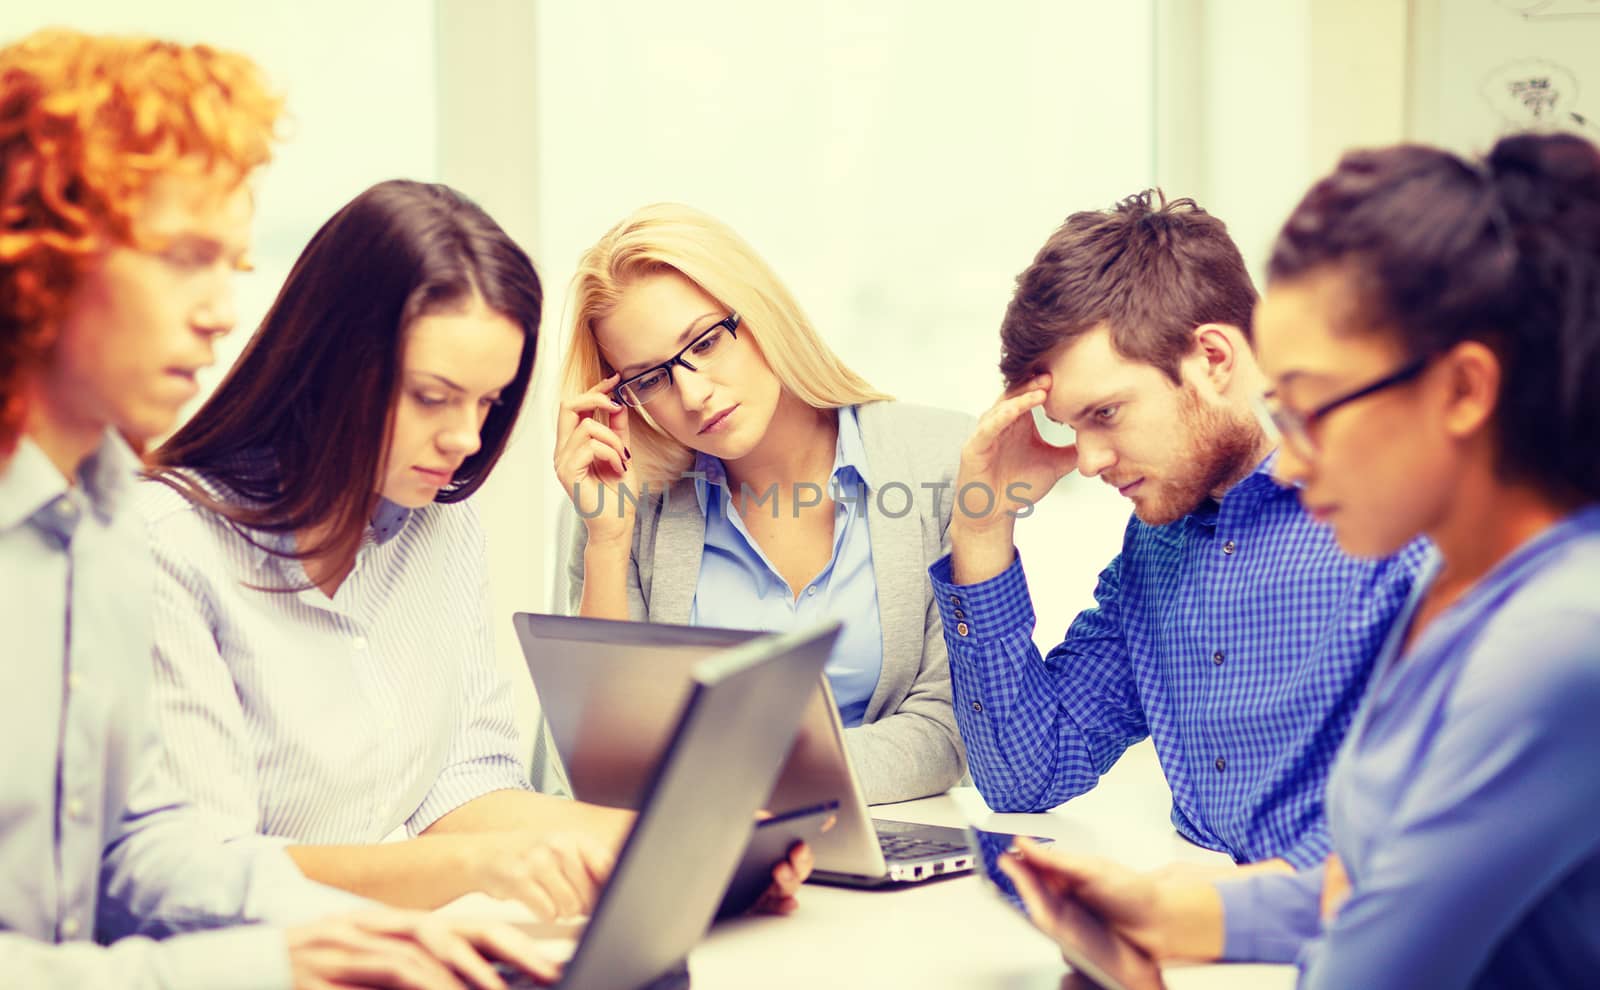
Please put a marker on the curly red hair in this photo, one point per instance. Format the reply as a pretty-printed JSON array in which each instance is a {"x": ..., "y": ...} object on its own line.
[{"x": 86, "y": 122}]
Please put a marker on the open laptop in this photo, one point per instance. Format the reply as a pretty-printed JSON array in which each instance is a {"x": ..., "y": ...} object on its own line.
[
  {"x": 696, "y": 810},
  {"x": 608, "y": 690}
]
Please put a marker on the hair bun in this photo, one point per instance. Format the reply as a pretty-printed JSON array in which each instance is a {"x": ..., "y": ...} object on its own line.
[{"x": 1549, "y": 178}]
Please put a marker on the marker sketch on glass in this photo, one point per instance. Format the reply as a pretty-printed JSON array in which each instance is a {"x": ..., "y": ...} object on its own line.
[{"x": 1532, "y": 92}]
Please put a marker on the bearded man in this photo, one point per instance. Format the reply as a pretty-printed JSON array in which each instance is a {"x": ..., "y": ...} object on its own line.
[{"x": 1231, "y": 629}]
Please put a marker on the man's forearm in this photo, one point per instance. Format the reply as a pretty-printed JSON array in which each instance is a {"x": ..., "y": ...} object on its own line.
[{"x": 982, "y": 554}]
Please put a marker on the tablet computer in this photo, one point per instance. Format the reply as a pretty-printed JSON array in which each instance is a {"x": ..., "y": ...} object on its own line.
[{"x": 1096, "y": 953}]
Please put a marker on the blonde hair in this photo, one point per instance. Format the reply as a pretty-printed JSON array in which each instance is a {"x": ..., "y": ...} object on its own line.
[{"x": 672, "y": 237}]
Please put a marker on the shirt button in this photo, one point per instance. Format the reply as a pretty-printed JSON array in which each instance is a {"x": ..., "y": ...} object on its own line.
[
  {"x": 69, "y": 927},
  {"x": 360, "y": 642},
  {"x": 1229, "y": 547},
  {"x": 75, "y": 808},
  {"x": 955, "y": 599},
  {"x": 962, "y": 629},
  {"x": 1218, "y": 657},
  {"x": 67, "y": 509},
  {"x": 1221, "y": 763},
  {"x": 75, "y": 681},
  {"x": 960, "y": 614},
  {"x": 811, "y": 590}
]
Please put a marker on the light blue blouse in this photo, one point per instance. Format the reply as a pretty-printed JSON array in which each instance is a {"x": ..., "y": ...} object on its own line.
[
  {"x": 1464, "y": 805},
  {"x": 98, "y": 843},
  {"x": 740, "y": 589}
]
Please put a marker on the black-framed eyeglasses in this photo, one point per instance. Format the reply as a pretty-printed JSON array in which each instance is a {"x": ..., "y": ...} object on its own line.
[
  {"x": 1296, "y": 427},
  {"x": 711, "y": 344}
]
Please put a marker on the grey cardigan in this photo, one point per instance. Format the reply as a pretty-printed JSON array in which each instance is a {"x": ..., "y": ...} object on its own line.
[{"x": 908, "y": 745}]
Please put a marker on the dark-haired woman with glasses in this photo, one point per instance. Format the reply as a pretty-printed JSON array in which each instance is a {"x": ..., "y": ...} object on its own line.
[
  {"x": 324, "y": 650},
  {"x": 731, "y": 471},
  {"x": 1432, "y": 332}
]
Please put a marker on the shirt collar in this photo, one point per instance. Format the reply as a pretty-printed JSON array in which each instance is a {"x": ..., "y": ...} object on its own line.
[
  {"x": 388, "y": 519},
  {"x": 109, "y": 475},
  {"x": 849, "y": 455},
  {"x": 1262, "y": 477},
  {"x": 708, "y": 471},
  {"x": 29, "y": 481},
  {"x": 1250, "y": 491},
  {"x": 851, "y": 451}
]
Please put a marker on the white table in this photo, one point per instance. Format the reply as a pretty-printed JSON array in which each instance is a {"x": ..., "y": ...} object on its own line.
[
  {"x": 949, "y": 933},
  {"x": 956, "y": 933}
]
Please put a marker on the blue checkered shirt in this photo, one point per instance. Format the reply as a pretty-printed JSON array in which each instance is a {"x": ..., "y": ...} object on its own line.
[{"x": 1239, "y": 638}]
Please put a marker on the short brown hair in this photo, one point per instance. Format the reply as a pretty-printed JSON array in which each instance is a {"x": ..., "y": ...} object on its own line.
[{"x": 1149, "y": 269}]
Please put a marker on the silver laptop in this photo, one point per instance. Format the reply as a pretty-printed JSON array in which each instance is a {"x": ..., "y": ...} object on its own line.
[
  {"x": 695, "y": 812},
  {"x": 609, "y": 691}
]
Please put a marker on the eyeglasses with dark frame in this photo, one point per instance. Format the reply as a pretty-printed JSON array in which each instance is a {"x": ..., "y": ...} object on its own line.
[
  {"x": 1295, "y": 427},
  {"x": 705, "y": 348}
]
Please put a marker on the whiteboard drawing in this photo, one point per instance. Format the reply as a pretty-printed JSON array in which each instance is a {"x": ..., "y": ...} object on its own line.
[
  {"x": 1499, "y": 66},
  {"x": 1542, "y": 9},
  {"x": 1532, "y": 92}
]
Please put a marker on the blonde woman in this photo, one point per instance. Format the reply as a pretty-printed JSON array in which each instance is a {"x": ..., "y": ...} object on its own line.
[{"x": 729, "y": 470}]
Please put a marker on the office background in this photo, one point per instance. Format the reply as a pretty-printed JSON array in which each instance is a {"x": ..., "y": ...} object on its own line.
[{"x": 898, "y": 162}]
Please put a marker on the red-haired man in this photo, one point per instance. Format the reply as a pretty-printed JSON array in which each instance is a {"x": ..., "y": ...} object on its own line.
[{"x": 124, "y": 212}]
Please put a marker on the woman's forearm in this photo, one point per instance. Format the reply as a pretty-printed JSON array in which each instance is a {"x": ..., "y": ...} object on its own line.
[
  {"x": 605, "y": 581},
  {"x": 425, "y": 872},
  {"x": 532, "y": 813},
  {"x": 449, "y": 858},
  {"x": 1195, "y": 924}
]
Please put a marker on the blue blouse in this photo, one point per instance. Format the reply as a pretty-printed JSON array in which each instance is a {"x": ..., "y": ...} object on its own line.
[
  {"x": 1465, "y": 805},
  {"x": 740, "y": 589}
]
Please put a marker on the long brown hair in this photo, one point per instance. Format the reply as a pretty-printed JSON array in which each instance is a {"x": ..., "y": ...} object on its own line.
[{"x": 298, "y": 430}]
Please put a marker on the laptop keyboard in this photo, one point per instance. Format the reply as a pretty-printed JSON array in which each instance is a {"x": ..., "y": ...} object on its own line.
[
  {"x": 900, "y": 847},
  {"x": 905, "y": 845}
]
